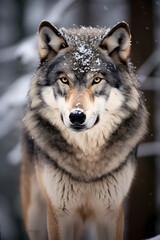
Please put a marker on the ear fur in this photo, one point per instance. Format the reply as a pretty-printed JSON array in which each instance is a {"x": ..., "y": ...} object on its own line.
[
  {"x": 50, "y": 40},
  {"x": 117, "y": 41}
]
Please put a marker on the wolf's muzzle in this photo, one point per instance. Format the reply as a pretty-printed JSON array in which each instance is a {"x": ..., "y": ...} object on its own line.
[{"x": 77, "y": 117}]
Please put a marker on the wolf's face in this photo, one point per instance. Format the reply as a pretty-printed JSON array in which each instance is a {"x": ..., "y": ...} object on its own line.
[
  {"x": 84, "y": 76},
  {"x": 83, "y": 100}
]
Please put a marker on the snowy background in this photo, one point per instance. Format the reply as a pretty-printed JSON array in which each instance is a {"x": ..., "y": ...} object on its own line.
[{"x": 19, "y": 21}]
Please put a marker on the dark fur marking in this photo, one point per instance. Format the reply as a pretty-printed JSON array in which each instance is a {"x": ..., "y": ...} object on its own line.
[
  {"x": 58, "y": 92},
  {"x": 109, "y": 190},
  {"x": 63, "y": 190},
  {"x": 72, "y": 189},
  {"x": 63, "y": 45},
  {"x": 77, "y": 179},
  {"x": 115, "y": 50},
  {"x": 120, "y": 39},
  {"x": 113, "y": 184},
  {"x": 29, "y": 141},
  {"x": 56, "y": 61},
  {"x": 53, "y": 133},
  {"x": 47, "y": 38},
  {"x": 135, "y": 153},
  {"x": 129, "y": 124},
  {"x": 111, "y": 72},
  {"x": 64, "y": 209},
  {"x": 115, "y": 189},
  {"x": 47, "y": 70},
  {"x": 104, "y": 47},
  {"x": 60, "y": 179},
  {"x": 101, "y": 93},
  {"x": 114, "y": 178}
]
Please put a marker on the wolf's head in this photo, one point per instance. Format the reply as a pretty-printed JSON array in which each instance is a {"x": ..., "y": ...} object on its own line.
[{"x": 84, "y": 80}]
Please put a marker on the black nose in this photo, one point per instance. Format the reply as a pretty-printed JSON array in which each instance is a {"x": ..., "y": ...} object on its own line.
[{"x": 77, "y": 117}]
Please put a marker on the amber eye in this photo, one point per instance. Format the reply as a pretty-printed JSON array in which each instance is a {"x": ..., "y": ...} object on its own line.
[
  {"x": 64, "y": 80},
  {"x": 96, "y": 80}
]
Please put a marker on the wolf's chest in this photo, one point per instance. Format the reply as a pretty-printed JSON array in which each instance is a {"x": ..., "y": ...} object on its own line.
[{"x": 87, "y": 199}]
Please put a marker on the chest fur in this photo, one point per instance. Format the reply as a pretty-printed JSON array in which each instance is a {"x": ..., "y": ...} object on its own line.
[{"x": 91, "y": 199}]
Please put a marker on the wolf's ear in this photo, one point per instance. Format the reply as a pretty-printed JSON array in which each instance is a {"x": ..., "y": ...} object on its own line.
[
  {"x": 50, "y": 40},
  {"x": 117, "y": 41}
]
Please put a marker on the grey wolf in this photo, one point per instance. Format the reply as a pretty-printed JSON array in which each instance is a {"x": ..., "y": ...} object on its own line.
[{"x": 84, "y": 118}]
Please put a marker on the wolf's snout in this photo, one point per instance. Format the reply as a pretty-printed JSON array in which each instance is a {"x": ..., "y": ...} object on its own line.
[{"x": 77, "y": 117}]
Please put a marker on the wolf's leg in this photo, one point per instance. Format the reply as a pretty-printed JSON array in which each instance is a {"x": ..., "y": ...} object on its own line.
[
  {"x": 37, "y": 217},
  {"x": 52, "y": 223},
  {"x": 120, "y": 224},
  {"x": 60, "y": 224},
  {"x": 71, "y": 227},
  {"x": 112, "y": 227},
  {"x": 78, "y": 230},
  {"x": 53, "y": 229},
  {"x": 33, "y": 204},
  {"x": 34, "y": 209}
]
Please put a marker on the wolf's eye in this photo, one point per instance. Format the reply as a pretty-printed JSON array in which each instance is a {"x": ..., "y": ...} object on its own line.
[
  {"x": 64, "y": 80},
  {"x": 96, "y": 80}
]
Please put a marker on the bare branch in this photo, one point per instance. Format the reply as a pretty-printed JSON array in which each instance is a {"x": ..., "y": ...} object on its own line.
[
  {"x": 149, "y": 65},
  {"x": 149, "y": 149}
]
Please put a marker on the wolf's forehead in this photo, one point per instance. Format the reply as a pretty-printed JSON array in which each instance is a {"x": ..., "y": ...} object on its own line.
[
  {"x": 83, "y": 43},
  {"x": 84, "y": 34}
]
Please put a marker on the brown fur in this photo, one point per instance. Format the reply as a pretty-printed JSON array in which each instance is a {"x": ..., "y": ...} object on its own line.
[
  {"x": 120, "y": 224},
  {"x": 85, "y": 212}
]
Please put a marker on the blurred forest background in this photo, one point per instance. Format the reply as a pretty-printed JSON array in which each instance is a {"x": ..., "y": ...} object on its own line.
[{"x": 19, "y": 21}]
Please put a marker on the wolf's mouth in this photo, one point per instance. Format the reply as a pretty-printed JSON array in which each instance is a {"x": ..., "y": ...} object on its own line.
[
  {"x": 83, "y": 127},
  {"x": 80, "y": 127}
]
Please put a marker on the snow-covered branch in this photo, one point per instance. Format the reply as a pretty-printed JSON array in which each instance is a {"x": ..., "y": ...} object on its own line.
[
  {"x": 149, "y": 149},
  {"x": 149, "y": 65},
  {"x": 27, "y": 49}
]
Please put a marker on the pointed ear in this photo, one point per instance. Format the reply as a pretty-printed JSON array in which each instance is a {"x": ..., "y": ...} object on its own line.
[
  {"x": 117, "y": 41},
  {"x": 50, "y": 41}
]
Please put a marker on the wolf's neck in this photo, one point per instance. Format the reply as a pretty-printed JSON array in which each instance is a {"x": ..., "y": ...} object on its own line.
[{"x": 89, "y": 141}]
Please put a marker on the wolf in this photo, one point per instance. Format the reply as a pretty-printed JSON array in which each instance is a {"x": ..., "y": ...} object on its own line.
[{"x": 84, "y": 119}]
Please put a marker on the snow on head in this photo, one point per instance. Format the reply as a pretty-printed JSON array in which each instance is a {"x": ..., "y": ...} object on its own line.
[{"x": 84, "y": 43}]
